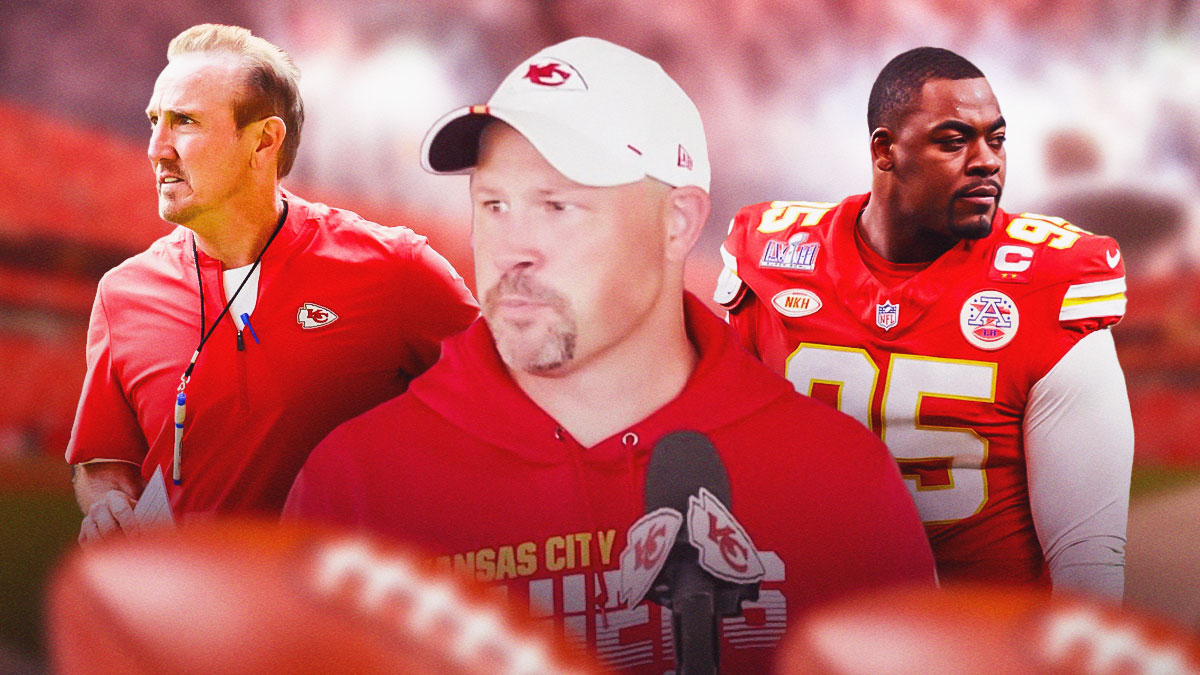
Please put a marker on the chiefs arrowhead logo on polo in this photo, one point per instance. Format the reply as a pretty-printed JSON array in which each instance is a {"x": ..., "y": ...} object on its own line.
[{"x": 311, "y": 316}]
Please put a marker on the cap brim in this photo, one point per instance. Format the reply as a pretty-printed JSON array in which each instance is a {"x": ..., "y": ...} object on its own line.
[{"x": 452, "y": 146}]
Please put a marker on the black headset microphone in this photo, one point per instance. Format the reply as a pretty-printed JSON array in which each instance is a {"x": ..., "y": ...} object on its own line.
[{"x": 696, "y": 583}]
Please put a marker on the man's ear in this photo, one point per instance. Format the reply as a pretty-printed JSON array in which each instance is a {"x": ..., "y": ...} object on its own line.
[
  {"x": 269, "y": 140},
  {"x": 881, "y": 149},
  {"x": 687, "y": 212}
]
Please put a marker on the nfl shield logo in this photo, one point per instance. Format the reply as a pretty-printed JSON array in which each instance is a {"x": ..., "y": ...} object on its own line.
[{"x": 887, "y": 315}]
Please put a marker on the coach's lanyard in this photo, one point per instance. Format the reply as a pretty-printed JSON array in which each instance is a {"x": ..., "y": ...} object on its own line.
[{"x": 181, "y": 395}]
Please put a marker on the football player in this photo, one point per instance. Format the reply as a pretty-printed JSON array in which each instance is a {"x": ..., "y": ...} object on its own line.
[{"x": 974, "y": 341}]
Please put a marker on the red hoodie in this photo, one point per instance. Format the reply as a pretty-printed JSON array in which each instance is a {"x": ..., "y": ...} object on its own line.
[{"x": 467, "y": 466}]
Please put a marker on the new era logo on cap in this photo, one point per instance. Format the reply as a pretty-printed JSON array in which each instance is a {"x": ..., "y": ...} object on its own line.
[
  {"x": 554, "y": 74},
  {"x": 685, "y": 160}
]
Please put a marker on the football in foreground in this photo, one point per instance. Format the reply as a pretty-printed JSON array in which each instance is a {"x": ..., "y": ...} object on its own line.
[
  {"x": 984, "y": 629},
  {"x": 258, "y": 597}
]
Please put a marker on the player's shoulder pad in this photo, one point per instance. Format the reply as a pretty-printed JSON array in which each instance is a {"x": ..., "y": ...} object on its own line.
[
  {"x": 753, "y": 229},
  {"x": 1050, "y": 251}
]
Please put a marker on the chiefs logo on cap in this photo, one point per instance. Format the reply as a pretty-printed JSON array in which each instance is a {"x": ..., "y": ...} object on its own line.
[{"x": 554, "y": 73}]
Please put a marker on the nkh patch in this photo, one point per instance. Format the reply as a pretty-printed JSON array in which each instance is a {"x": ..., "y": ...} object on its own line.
[
  {"x": 989, "y": 320},
  {"x": 311, "y": 316},
  {"x": 796, "y": 302},
  {"x": 792, "y": 254},
  {"x": 887, "y": 315},
  {"x": 649, "y": 542}
]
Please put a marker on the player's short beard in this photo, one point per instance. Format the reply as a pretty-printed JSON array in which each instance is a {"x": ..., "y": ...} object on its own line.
[
  {"x": 976, "y": 228},
  {"x": 539, "y": 346}
]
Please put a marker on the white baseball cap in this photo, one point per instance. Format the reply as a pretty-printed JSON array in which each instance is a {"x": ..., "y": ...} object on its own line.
[{"x": 601, "y": 114}]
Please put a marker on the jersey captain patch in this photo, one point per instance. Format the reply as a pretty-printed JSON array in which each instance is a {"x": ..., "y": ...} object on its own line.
[{"x": 989, "y": 320}]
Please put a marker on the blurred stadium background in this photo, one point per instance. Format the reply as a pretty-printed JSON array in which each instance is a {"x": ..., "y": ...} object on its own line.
[{"x": 1102, "y": 99}]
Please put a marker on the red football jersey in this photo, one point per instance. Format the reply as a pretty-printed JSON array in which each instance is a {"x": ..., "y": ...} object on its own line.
[{"x": 939, "y": 365}]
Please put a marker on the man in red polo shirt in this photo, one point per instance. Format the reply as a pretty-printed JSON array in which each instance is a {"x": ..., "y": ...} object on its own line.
[{"x": 260, "y": 323}]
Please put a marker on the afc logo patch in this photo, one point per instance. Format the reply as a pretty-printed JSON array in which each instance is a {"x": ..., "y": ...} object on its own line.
[{"x": 989, "y": 320}]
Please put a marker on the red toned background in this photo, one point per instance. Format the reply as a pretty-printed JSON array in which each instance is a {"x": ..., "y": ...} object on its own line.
[{"x": 1102, "y": 98}]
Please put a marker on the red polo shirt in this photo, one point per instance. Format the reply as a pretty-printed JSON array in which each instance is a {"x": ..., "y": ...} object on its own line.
[{"x": 347, "y": 313}]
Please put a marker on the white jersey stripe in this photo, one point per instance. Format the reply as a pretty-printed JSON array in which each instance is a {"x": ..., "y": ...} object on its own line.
[
  {"x": 1097, "y": 288},
  {"x": 1111, "y": 306},
  {"x": 1095, "y": 299},
  {"x": 729, "y": 284},
  {"x": 729, "y": 259}
]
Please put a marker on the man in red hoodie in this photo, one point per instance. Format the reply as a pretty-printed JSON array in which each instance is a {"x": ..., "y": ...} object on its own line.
[{"x": 521, "y": 457}]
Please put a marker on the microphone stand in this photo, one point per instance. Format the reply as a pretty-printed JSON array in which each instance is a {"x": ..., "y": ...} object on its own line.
[
  {"x": 694, "y": 620},
  {"x": 697, "y": 601}
]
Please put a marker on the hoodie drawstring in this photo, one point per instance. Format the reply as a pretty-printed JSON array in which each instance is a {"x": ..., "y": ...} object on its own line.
[
  {"x": 629, "y": 441},
  {"x": 599, "y": 600}
]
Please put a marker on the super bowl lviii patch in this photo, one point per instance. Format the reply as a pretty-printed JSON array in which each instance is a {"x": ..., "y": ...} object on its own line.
[
  {"x": 989, "y": 320},
  {"x": 793, "y": 254}
]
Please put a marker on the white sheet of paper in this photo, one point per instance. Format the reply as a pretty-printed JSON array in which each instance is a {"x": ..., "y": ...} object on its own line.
[{"x": 153, "y": 509}]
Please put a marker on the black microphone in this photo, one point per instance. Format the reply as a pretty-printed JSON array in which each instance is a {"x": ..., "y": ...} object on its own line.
[{"x": 683, "y": 467}]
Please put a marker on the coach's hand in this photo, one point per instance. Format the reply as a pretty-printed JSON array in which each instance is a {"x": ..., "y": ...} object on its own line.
[
  {"x": 109, "y": 515},
  {"x": 106, "y": 495}
]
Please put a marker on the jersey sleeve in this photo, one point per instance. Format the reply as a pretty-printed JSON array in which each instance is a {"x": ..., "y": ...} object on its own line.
[
  {"x": 106, "y": 426},
  {"x": 1094, "y": 296},
  {"x": 1078, "y": 435},
  {"x": 731, "y": 290},
  {"x": 434, "y": 303}
]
